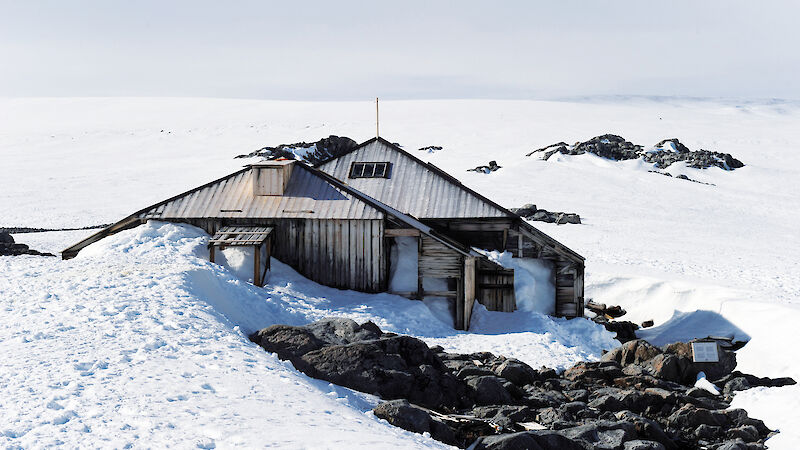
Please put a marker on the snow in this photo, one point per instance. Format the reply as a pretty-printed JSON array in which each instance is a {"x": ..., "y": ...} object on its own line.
[
  {"x": 533, "y": 281},
  {"x": 703, "y": 383},
  {"x": 660, "y": 247},
  {"x": 404, "y": 259}
]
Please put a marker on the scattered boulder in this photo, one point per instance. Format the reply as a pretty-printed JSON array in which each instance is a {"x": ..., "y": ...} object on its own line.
[
  {"x": 402, "y": 414},
  {"x": 312, "y": 153},
  {"x": 492, "y": 167}
]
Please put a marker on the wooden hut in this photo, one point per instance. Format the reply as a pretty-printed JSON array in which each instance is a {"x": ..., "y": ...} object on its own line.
[
  {"x": 440, "y": 201},
  {"x": 354, "y": 221}
]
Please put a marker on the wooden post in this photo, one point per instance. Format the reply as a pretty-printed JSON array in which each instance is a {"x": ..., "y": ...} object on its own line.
[
  {"x": 257, "y": 266},
  {"x": 519, "y": 245},
  {"x": 211, "y": 253},
  {"x": 420, "y": 290},
  {"x": 470, "y": 288},
  {"x": 460, "y": 307},
  {"x": 377, "y": 119}
]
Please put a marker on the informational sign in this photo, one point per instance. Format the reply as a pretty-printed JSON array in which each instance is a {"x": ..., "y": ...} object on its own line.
[{"x": 705, "y": 352}]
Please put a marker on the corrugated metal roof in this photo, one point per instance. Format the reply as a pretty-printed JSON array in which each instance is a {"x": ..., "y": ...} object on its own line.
[
  {"x": 237, "y": 236},
  {"x": 307, "y": 196},
  {"x": 413, "y": 187}
]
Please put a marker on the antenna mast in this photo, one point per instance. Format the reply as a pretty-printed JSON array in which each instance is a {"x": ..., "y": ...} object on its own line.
[{"x": 377, "y": 120}]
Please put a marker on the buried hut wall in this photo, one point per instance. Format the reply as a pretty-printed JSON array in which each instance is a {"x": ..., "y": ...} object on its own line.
[{"x": 340, "y": 253}]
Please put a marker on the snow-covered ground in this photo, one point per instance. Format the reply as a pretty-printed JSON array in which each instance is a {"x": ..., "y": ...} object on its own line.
[{"x": 118, "y": 347}]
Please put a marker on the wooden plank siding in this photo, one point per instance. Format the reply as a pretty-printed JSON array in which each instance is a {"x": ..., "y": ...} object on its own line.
[
  {"x": 346, "y": 254},
  {"x": 438, "y": 261}
]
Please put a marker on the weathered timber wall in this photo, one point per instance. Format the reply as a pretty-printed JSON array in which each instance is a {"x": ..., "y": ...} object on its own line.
[{"x": 346, "y": 254}]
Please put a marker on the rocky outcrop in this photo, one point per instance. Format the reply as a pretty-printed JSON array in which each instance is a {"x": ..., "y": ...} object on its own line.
[
  {"x": 430, "y": 149},
  {"x": 492, "y": 167},
  {"x": 313, "y": 153},
  {"x": 637, "y": 397},
  {"x": 530, "y": 212},
  {"x": 662, "y": 155},
  {"x": 8, "y": 247}
]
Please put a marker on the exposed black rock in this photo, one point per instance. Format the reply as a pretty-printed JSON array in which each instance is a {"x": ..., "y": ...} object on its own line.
[
  {"x": 402, "y": 414},
  {"x": 681, "y": 177},
  {"x": 313, "y": 153},
  {"x": 530, "y": 212},
  {"x": 492, "y": 167},
  {"x": 666, "y": 152},
  {"x": 10, "y": 248},
  {"x": 430, "y": 149},
  {"x": 637, "y": 397}
]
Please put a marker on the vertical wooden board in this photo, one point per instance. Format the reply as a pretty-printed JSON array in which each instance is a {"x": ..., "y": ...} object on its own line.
[
  {"x": 377, "y": 255},
  {"x": 313, "y": 238},
  {"x": 308, "y": 248},
  {"x": 337, "y": 232},
  {"x": 344, "y": 255},
  {"x": 360, "y": 275},
  {"x": 353, "y": 254},
  {"x": 330, "y": 250},
  {"x": 257, "y": 266}
]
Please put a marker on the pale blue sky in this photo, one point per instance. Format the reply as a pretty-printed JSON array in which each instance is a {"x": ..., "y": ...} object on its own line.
[{"x": 396, "y": 50}]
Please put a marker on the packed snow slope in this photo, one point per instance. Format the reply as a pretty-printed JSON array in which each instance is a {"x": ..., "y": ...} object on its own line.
[{"x": 662, "y": 247}]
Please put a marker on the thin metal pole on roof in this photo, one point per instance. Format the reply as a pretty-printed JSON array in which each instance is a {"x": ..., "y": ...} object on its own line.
[{"x": 377, "y": 120}]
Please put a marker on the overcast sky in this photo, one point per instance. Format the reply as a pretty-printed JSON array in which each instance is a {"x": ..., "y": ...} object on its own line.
[{"x": 400, "y": 49}]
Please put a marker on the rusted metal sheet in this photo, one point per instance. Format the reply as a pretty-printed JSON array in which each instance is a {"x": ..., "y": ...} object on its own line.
[{"x": 412, "y": 186}]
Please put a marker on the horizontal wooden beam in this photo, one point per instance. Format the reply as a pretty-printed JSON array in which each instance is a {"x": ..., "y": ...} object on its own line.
[{"x": 394, "y": 232}]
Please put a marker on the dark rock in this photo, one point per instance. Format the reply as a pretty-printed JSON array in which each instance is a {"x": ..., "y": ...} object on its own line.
[
  {"x": 752, "y": 381},
  {"x": 528, "y": 440},
  {"x": 747, "y": 433},
  {"x": 625, "y": 330},
  {"x": 402, "y": 414},
  {"x": 323, "y": 150},
  {"x": 516, "y": 372},
  {"x": 430, "y": 149},
  {"x": 616, "y": 148},
  {"x": 603, "y": 434},
  {"x": 632, "y": 352},
  {"x": 736, "y": 384},
  {"x": 492, "y": 167},
  {"x": 704, "y": 431},
  {"x": 287, "y": 341},
  {"x": 603, "y": 370},
  {"x": 689, "y": 416},
  {"x": 527, "y": 209},
  {"x": 489, "y": 390},
  {"x": 577, "y": 395},
  {"x": 530, "y": 212},
  {"x": 471, "y": 370},
  {"x": 505, "y": 415},
  {"x": 341, "y": 331},
  {"x": 638, "y": 444},
  {"x": 713, "y": 371},
  {"x": 537, "y": 398},
  {"x": 6, "y": 238},
  {"x": 563, "y": 218},
  {"x": 667, "y": 366},
  {"x": 647, "y": 324}
]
